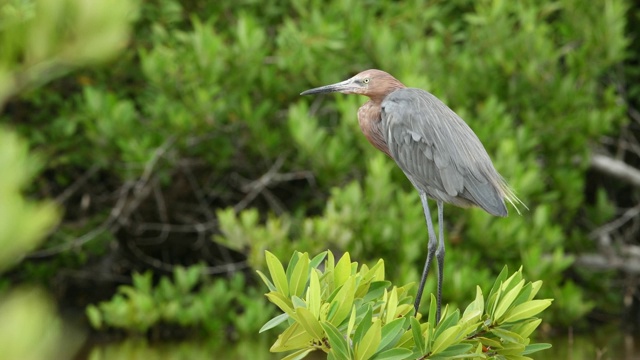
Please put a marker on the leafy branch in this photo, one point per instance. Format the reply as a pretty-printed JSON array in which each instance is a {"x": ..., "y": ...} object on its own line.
[{"x": 352, "y": 313}]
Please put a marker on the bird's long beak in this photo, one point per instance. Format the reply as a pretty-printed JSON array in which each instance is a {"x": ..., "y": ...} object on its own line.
[{"x": 347, "y": 86}]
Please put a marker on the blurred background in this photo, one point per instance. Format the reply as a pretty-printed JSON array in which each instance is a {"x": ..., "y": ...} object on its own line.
[{"x": 150, "y": 151}]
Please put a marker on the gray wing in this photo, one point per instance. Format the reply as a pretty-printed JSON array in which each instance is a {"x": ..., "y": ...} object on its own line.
[{"x": 439, "y": 153}]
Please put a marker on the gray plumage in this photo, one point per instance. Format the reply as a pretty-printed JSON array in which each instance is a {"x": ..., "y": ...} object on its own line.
[{"x": 439, "y": 153}]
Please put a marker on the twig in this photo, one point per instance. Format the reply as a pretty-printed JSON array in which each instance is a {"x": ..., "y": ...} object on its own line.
[
  {"x": 69, "y": 191},
  {"x": 107, "y": 225},
  {"x": 131, "y": 195},
  {"x": 616, "y": 168},
  {"x": 615, "y": 224},
  {"x": 197, "y": 190},
  {"x": 630, "y": 265},
  {"x": 256, "y": 187},
  {"x": 209, "y": 270},
  {"x": 178, "y": 228},
  {"x": 633, "y": 113}
]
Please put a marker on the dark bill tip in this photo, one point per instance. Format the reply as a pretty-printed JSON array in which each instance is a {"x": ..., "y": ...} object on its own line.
[
  {"x": 320, "y": 90},
  {"x": 346, "y": 85}
]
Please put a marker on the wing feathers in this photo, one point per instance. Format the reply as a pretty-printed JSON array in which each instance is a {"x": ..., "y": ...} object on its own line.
[{"x": 439, "y": 153}]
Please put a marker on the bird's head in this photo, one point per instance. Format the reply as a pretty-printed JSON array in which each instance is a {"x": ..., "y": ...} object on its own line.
[{"x": 373, "y": 83}]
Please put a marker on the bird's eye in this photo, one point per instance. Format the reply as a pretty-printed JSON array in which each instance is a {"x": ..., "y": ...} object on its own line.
[{"x": 365, "y": 80}]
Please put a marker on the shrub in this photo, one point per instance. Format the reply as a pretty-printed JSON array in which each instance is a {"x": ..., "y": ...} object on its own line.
[{"x": 353, "y": 313}]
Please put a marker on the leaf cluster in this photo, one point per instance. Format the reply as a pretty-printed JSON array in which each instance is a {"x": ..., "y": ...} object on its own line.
[
  {"x": 186, "y": 300},
  {"x": 354, "y": 313}
]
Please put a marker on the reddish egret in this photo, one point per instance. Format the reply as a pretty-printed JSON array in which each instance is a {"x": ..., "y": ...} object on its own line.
[{"x": 442, "y": 157}]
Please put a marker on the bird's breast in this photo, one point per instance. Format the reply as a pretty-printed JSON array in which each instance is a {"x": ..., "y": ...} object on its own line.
[{"x": 369, "y": 118}]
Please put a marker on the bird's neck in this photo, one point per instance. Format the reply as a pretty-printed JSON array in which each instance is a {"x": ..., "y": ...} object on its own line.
[
  {"x": 369, "y": 121},
  {"x": 377, "y": 95}
]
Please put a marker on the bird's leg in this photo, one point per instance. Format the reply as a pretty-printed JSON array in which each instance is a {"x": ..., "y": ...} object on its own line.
[
  {"x": 440, "y": 258},
  {"x": 431, "y": 250}
]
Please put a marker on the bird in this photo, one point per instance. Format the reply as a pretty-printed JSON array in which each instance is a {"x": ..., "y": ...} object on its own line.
[{"x": 438, "y": 152}]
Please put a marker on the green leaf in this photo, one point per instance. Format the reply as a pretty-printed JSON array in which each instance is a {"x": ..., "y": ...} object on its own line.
[
  {"x": 309, "y": 322},
  {"x": 446, "y": 339},
  {"x": 292, "y": 264},
  {"x": 526, "y": 310},
  {"x": 274, "y": 322},
  {"x": 494, "y": 294},
  {"x": 300, "y": 354},
  {"x": 329, "y": 265},
  {"x": 432, "y": 311},
  {"x": 337, "y": 342},
  {"x": 342, "y": 271},
  {"x": 447, "y": 322},
  {"x": 531, "y": 348},
  {"x": 475, "y": 308},
  {"x": 352, "y": 321},
  {"x": 333, "y": 307},
  {"x": 511, "y": 349},
  {"x": 393, "y": 354},
  {"x": 186, "y": 278},
  {"x": 144, "y": 282},
  {"x": 294, "y": 337},
  {"x": 376, "y": 289},
  {"x": 365, "y": 349},
  {"x": 526, "y": 328},
  {"x": 428, "y": 331},
  {"x": 298, "y": 303},
  {"x": 313, "y": 294},
  {"x": 364, "y": 324},
  {"x": 344, "y": 299},
  {"x": 392, "y": 331},
  {"x": 535, "y": 287},
  {"x": 299, "y": 276},
  {"x": 507, "y": 335},
  {"x": 317, "y": 260},
  {"x": 406, "y": 338},
  {"x": 523, "y": 296},
  {"x": 267, "y": 281},
  {"x": 512, "y": 281},
  {"x": 376, "y": 273},
  {"x": 281, "y": 301},
  {"x": 417, "y": 335},
  {"x": 457, "y": 351},
  {"x": 95, "y": 316},
  {"x": 493, "y": 343},
  {"x": 507, "y": 299},
  {"x": 277, "y": 273},
  {"x": 499, "y": 280},
  {"x": 391, "y": 306}
]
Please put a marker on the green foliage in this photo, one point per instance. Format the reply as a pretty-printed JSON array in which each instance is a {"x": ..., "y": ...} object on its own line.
[
  {"x": 44, "y": 39},
  {"x": 207, "y": 95},
  {"x": 40, "y": 40},
  {"x": 193, "y": 349},
  {"x": 27, "y": 314},
  {"x": 535, "y": 100},
  {"x": 353, "y": 313},
  {"x": 187, "y": 300},
  {"x": 24, "y": 222},
  {"x": 31, "y": 315}
]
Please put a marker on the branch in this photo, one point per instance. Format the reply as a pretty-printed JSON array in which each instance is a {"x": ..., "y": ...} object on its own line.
[
  {"x": 629, "y": 263},
  {"x": 271, "y": 177},
  {"x": 69, "y": 191},
  {"x": 131, "y": 195},
  {"x": 209, "y": 270},
  {"x": 611, "y": 226},
  {"x": 616, "y": 168}
]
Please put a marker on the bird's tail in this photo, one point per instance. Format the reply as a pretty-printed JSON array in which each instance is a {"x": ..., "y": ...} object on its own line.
[{"x": 509, "y": 194}]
